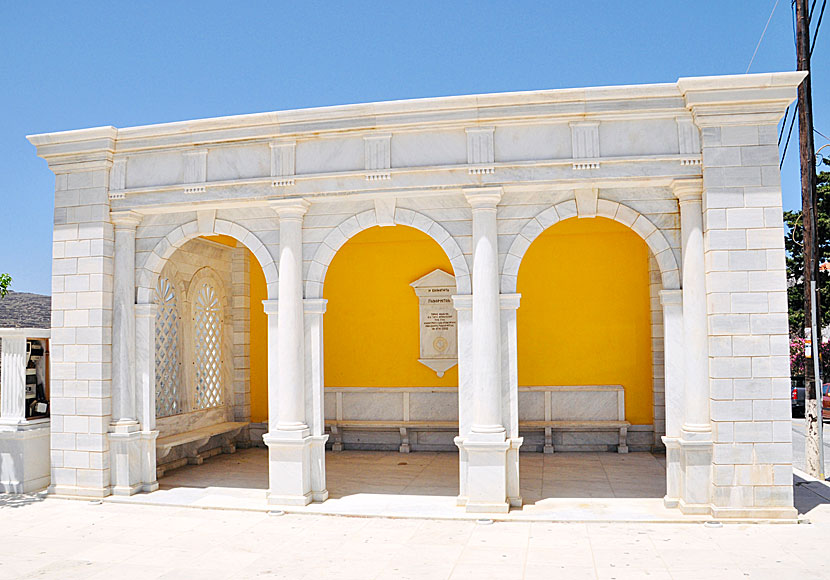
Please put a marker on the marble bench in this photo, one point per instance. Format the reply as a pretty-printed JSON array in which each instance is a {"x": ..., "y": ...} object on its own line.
[
  {"x": 192, "y": 442},
  {"x": 404, "y": 427},
  {"x": 593, "y": 425},
  {"x": 593, "y": 410}
]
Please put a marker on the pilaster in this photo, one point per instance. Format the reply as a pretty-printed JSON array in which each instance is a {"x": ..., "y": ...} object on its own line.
[
  {"x": 241, "y": 304},
  {"x": 673, "y": 341},
  {"x": 145, "y": 386},
  {"x": 314, "y": 309}
]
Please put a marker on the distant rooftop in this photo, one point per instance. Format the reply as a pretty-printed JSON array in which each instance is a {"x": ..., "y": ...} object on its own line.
[{"x": 25, "y": 310}]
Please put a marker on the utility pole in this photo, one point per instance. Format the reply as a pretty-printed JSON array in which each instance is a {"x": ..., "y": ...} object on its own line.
[{"x": 812, "y": 394}]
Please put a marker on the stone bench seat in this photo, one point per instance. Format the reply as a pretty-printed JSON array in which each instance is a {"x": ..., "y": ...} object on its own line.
[
  {"x": 195, "y": 440},
  {"x": 337, "y": 426},
  {"x": 581, "y": 425}
]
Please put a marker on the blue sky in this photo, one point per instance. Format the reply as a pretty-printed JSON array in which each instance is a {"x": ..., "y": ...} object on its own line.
[{"x": 68, "y": 65}]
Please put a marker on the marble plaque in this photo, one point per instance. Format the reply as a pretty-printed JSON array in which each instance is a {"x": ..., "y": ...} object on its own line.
[{"x": 437, "y": 321}]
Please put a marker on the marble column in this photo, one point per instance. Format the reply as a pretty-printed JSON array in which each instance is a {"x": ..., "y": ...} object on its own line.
[
  {"x": 289, "y": 441},
  {"x": 696, "y": 431},
  {"x": 13, "y": 377},
  {"x": 486, "y": 445},
  {"x": 124, "y": 430},
  {"x": 672, "y": 301},
  {"x": 314, "y": 309},
  {"x": 145, "y": 383}
]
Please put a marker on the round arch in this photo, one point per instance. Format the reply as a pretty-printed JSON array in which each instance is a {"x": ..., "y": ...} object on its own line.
[
  {"x": 362, "y": 221},
  {"x": 150, "y": 271},
  {"x": 651, "y": 234}
]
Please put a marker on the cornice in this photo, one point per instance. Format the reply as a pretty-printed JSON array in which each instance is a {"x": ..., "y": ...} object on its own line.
[{"x": 741, "y": 99}]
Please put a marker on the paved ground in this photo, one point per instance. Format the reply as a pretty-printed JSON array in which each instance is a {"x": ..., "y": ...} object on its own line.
[{"x": 65, "y": 539}]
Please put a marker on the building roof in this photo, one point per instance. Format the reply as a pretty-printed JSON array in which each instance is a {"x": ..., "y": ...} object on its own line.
[{"x": 25, "y": 310}]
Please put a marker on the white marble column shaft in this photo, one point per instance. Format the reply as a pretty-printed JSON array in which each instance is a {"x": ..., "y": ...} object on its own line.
[
  {"x": 695, "y": 331},
  {"x": 123, "y": 318},
  {"x": 291, "y": 354},
  {"x": 486, "y": 313},
  {"x": 695, "y": 440}
]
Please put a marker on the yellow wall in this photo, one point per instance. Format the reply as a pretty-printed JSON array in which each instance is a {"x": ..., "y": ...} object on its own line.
[
  {"x": 259, "y": 335},
  {"x": 371, "y": 322},
  {"x": 584, "y": 317}
]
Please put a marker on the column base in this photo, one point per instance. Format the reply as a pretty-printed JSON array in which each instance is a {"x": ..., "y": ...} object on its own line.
[
  {"x": 694, "y": 508},
  {"x": 487, "y": 473},
  {"x": 319, "y": 493},
  {"x": 514, "y": 495},
  {"x": 77, "y": 491},
  {"x": 149, "y": 481},
  {"x": 674, "y": 473},
  {"x": 696, "y": 470},
  {"x": 756, "y": 513},
  {"x": 125, "y": 458},
  {"x": 289, "y": 467}
]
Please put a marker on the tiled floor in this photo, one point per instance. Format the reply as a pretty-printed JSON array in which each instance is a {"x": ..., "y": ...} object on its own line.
[
  {"x": 560, "y": 475},
  {"x": 558, "y": 487}
]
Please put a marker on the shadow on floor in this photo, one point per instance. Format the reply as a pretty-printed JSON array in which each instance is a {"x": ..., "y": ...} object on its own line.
[
  {"x": 17, "y": 500},
  {"x": 808, "y": 495}
]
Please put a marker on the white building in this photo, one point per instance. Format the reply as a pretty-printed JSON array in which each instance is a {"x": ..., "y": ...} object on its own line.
[{"x": 681, "y": 180}]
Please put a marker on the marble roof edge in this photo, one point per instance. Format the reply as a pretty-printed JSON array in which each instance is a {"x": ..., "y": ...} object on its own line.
[
  {"x": 744, "y": 81},
  {"x": 429, "y": 104}
]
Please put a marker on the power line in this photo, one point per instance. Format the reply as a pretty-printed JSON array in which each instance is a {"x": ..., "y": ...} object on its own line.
[
  {"x": 818, "y": 24},
  {"x": 789, "y": 134},
  {"x": 757, "y": 46}
]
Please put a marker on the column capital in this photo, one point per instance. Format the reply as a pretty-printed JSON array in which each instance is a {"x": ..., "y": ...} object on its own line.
[
  {"x": 125, "y": 220},
  {"x": 290, "y": 209},
  {"x": 271, "y": 307},
  {"x": 688, "y": 189},
  {"x": 509, "y": 301},
  {"x": 314, "y": 305},
  {"x": 483, "y": 197},
  {"x": 671, "y": 297},
  {"x": 146, "y": 310},
  {"x": 462, "y": 301}
]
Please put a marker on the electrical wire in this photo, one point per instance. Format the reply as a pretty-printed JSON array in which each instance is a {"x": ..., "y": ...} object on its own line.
[
  {"x": 789, "y": 134},
  {"x": 757, "y": 46},
  {"x": 818, "y": 25}
]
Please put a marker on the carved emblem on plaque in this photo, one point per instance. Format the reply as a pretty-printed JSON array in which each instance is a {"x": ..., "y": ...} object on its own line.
[{"x": 437, "y": 321}]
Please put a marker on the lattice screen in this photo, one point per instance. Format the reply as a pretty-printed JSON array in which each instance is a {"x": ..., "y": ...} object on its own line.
[
  {"x": 168, "y": 368},
  {"x": 207, "y": 334}
]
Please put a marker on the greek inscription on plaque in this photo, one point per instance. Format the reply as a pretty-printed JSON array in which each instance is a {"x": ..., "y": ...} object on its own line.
[{"x": 437, "y": 321}]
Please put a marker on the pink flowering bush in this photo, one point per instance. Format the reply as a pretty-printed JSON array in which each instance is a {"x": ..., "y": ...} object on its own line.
[{"x": 798, "y": 360}]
